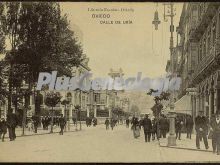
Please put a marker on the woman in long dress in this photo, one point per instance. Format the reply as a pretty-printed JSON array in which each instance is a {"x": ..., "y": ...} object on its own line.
[{"x": 136, "y": 128}]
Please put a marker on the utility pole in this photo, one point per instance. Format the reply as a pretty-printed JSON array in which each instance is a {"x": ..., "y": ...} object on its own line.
[
  {"x": 171, "y": 137},
  {"x": 172, "y": 115},
  {"x": 80, "y": 125}
]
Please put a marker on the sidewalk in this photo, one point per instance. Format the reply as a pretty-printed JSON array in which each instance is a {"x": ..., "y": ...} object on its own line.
[
  {"x": 187, "y": 144},
  {"x": 40, "y": 131}
]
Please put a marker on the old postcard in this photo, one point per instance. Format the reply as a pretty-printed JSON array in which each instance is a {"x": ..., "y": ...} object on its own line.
[{"x": 109, "y": 82}]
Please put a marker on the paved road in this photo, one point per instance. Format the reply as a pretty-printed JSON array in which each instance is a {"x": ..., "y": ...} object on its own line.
[{"x": 94, "y": 144}]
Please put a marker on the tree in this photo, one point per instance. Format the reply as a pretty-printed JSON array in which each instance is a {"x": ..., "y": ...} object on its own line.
[
  {"x": 157, "y": 99},
  {"x": 65, "y": 103},
  {"x": 47, "y": 42},
  {"x": 52, "y": 99},
  {"x": 41, "y": 40},
  {"x": 78, "y": 115},
  {"x": 2, "y": 27},
  {"x": 3, "y": 84},
  {"x": 11, "y": 30},
  {"x": 158, "y": 106},
  {"x": 135, "y": 110}
]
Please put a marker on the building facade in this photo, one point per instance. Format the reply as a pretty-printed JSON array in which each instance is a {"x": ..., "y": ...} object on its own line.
[{"x": 199, "y": 65}]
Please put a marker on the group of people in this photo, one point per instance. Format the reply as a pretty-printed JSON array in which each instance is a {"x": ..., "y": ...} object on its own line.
[
  {"x": 159, "y": 128},
  {"x": 10, "y": 123},
  {"x": 151, "y": 127},
  {"x": 208, "y": 129},
  {"x": 90, "y": 121},
  {"x": 112, "y": 123}
]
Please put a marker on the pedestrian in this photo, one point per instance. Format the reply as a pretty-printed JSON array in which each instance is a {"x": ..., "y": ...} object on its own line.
[
  {"x": 154, "y": 128},
  {"x": 127, "y": 123},
  {"x": 112, "y": 123},
  {"x": 215, "y": 129},
  {"x": 107, "y": 123},
  {"x": 3, "y": 129},
  {"x": 30, "y": 125},
  {"x": 90, "y": 121},
  {"x": 12, "y": 122},
  {"x": 141, "y": 123},
  {"x": 87, "y": 121},
  {"x": 178, "y": 127},
  {"x": 201, "y": 126},
  {"x": 189, "y": 126},
  {"x": 74, "y": 121},
  {"x": 132, "y": 122},
  {"x": 94, "y": 122},
  {"x": 136, "y": 128},
  {"x": 44, "y": 122},
  {"x": 147, "y": 125},
  {"x": 35, "y": 123},
  {"x": 47, "y": 122},
  {"x": 163, "y": 126},
  {"x": 62, "y": 123}
]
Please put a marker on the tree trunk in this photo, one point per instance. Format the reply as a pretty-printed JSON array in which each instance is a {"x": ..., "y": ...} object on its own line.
[
  {"x": 51, "y": 131},
  {"x": 10, "y": 90},
  {"x": 37, "y": 103}
]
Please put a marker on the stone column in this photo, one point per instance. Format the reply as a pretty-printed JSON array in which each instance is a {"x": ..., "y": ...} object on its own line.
[
  {"x": 71, "y": 112},
  {"x": 215, "y": 100},
  {"x": 202, "y": 103},
  {"x": 210, "y": 104},
  {"x": 63, "y": 110},
  {"x": 207, "y": 103},
  {"x": 197, "y": 105},
  {"x": 87, "y": 111},
  {"x": 95, "y": 108},
  {"x": 218, "y": 24},
  {"x": 172, "y": 136}
]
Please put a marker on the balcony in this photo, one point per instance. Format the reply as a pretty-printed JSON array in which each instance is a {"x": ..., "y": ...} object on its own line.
[
  {"x": 217, "y": 46},
  {"x": 208, "y": 63},
  {"x": 204, "y": 19}
]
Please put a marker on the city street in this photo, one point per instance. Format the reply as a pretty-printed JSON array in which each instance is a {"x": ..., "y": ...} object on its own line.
[{"x": 95, "y": 144}]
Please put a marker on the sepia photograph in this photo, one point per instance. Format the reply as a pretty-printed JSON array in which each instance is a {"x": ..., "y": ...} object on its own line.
[{"x": 109, "y": 82}]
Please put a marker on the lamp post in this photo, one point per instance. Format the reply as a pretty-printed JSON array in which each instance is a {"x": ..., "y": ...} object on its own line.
[
  {"x": 171, "y": 137},
  {"x": 25, "y": 92},
  {"x": 80, "y": 124},
  {"x": 68, "y": 122}
]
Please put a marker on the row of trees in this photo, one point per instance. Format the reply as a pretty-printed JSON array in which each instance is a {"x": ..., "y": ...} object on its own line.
[{"x": 40, "y": 39}]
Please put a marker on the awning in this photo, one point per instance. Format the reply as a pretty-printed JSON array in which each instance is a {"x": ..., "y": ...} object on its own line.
[{"x": 183, "y": 105}]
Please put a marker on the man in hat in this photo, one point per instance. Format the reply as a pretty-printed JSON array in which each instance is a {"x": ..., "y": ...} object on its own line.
[
  {"x": 201, "y": 125},
  {"x": 215, "y": 127},
  {"x": 107, "y": 122},
  {"x": 163, "y": 126},
  {"x": 189, "y": 126},
  {"x": 146, "y": 123},
  {"x": 3, "y": 129},
  {"x": 12, "y": 122},
  {"x": 62, "y": 123}
]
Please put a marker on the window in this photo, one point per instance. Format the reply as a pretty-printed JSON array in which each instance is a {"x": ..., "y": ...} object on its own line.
[
  {"x": 69, "y": 97},
  {"x": 208, "y": 40},
  {"x": 96, "y": 97},
  {"x": 204, "y": 47},
  {"x": 200, "y": 52},
  {"x": 213, "y": 33}
]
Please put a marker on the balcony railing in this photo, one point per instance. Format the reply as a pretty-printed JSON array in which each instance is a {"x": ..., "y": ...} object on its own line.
[
  {"x": 208, "y": 59},
  {"x": 217, "y": 48},
  {"x": 205, "y": 17}
]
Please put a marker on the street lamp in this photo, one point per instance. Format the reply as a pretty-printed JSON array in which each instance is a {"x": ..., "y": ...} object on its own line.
[
  {"x": 25, "y": 92},
  {"x": 171, "y": 137}
]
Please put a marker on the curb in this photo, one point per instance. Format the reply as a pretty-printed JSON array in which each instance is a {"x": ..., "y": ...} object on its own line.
[
  {"x": 183, "y": 148},
  {"x": 43, "y": 134}
]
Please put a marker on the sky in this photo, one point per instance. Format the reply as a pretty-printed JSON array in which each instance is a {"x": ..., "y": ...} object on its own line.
[{"x": 135, "y": 47}]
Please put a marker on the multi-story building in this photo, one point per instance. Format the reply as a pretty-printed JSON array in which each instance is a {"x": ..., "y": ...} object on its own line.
[{"x": 199, "y": 65}]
